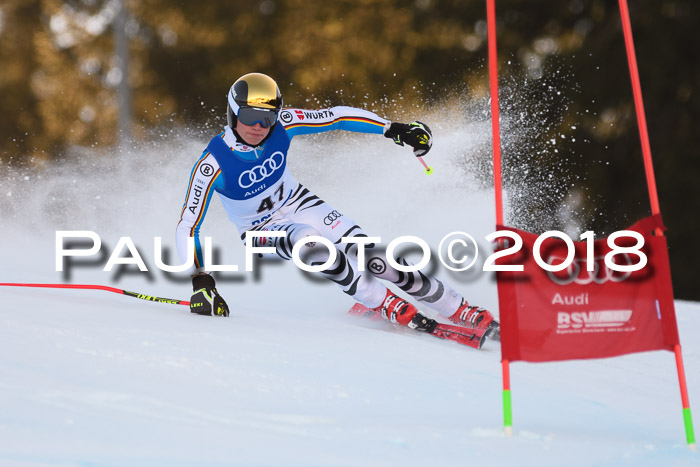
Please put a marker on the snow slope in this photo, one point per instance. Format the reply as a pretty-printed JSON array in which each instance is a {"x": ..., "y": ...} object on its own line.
[{"x": 90, "y": 378}]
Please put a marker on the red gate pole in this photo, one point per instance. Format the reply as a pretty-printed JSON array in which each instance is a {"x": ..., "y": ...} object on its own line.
[
  {"x": 639, "y": 107},
  {"x": 653, "y": 195},
  {"x": 498, "y": 181},
  {"x": 685, "y": 401},
  {"x": 495, "y": 116}
]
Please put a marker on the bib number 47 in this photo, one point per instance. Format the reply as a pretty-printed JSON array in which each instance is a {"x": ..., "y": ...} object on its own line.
[{"x": 268, "y": 203}]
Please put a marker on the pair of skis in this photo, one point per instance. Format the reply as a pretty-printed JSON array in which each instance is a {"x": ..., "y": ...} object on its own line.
[{"x": 471, "y": 337}]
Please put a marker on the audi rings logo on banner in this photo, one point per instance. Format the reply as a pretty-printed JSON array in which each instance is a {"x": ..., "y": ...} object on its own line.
[
  {"x": 577, "y": 273},
  {"x": 331, "y": 217},
  {"x": 260, "y": 172}
]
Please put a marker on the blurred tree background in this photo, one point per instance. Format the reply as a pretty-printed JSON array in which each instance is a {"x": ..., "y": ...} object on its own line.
[{"x": 60, "y": 76}]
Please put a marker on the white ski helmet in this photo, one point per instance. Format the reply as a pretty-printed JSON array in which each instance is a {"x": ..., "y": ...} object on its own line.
[{"x": 254, "y": 98}]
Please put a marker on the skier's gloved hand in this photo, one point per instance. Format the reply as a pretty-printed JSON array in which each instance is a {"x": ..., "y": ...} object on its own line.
[
  {"x": 206, "y": 300},
  {"x": 415, "y": 134}
]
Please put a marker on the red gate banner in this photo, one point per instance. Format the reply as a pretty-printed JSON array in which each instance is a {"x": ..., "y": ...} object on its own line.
[{"x": 581, "y": 314}]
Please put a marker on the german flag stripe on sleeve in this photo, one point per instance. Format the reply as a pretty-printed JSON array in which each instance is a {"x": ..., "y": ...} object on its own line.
[
  {"x": 206, "y": 203},
  {"x": 189, "y": 185},
  {"x": 194, "y": 231}
]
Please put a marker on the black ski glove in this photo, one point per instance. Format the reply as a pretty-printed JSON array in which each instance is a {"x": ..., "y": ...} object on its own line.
[
  {"x": 415, "y": 134},
  {"x": 206, "y": 300}
]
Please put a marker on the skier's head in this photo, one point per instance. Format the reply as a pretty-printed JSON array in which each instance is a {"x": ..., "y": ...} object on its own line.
[{"x": 254, "y": 99}]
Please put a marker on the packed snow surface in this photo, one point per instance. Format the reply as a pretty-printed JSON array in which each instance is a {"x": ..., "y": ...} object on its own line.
[{"x": 91, "y": 378}]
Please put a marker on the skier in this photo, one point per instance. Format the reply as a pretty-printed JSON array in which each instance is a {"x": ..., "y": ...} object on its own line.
[{"x": 247, "y": 166}]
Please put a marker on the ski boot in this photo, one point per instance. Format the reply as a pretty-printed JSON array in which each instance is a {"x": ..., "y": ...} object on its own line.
[{"x": 478, "y": 318}]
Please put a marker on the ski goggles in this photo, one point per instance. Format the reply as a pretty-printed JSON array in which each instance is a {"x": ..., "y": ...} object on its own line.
[{"x": 252, "y": 115}]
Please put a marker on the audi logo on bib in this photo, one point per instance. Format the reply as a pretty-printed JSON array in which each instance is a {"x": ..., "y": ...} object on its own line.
[
  {"x": 331, "y": 217},
  {"x": 577, "y": 273},
  {"x": 260, "y": 172}
]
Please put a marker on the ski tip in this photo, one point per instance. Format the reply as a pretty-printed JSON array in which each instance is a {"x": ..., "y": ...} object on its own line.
[
  {"x": 358, "y": 309},
  {"x": 483, "y": 339},
  {"x": 493, "y": 332},
  {"x": 363, "y": 312}
]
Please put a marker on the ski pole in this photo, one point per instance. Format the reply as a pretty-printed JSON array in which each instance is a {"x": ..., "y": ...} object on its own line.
[
  {"x": 428, "y": 169},
  {"x": 102, "y": 287}
]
